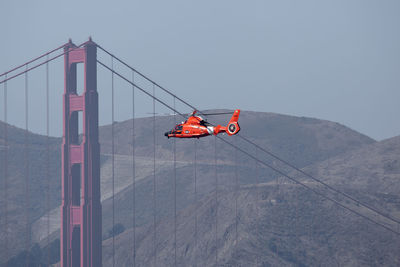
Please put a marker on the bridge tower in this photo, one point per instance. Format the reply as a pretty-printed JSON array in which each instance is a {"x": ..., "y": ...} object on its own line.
[{"x": 81, "y": 208}]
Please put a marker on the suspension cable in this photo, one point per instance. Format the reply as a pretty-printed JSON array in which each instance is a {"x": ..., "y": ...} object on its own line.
[
  {"x": 33, "y": 60},
  {"x": 175, "y": 188},
  {"x": 320, "y": 181},
  {"x": 40, "y": 64},
  {"x": 236, "y": 196},
  {"x": 310, "y": 188},
  {"x": 113, "y": 161},
  {"x": 5, "y": 172},
  {"x": 133, "y": 171},
  {"x": 279, "y": 217},
  {"x": 195, "y": 201},
  {"x": 216, "y": 200},
  {"x": 312, "y": 225},
  {"x": 154, "y": 178},
  {"x": 48, "y": 161},
  {"x": 261, "y": 148},
  {"x": 256, "y": 202},
  {"x": 145, "y": 77},
  {"x": 296, "y": 230},
  {"x": 2, "y": 167},
  {"x": 27, "y": 203},
  {"x": 262, "y": 162},
  {"x": 27, "y": 144},
  {"x": 141, "y": 89}
]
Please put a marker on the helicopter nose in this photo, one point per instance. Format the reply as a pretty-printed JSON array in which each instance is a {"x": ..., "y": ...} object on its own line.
[{"x": 166, "y": 134}]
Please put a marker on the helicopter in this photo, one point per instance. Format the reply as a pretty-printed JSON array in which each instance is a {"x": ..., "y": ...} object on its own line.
[{"x": 196, "y": 127}]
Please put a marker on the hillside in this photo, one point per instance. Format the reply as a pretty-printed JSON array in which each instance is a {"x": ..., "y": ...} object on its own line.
[
  {"x": 287, "y": 224},
  {"x": 17, "y": 191},
  {"x": 298, "y": 139},
  {"x": 303, "y": 141}
]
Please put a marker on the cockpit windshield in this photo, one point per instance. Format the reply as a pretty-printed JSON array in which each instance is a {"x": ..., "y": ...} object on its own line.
[
  {"x": 204, "y": 123},
  {"x": 178, "y": 127}
]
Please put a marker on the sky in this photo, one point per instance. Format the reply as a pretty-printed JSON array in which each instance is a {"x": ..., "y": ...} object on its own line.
[{"x": 333, "y": 60}]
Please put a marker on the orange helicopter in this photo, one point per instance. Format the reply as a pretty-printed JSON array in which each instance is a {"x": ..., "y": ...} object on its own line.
[{"x": 196, "y": 127}]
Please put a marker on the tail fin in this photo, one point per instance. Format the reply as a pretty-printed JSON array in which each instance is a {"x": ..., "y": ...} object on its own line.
[
  {"x": 235, "y": 116},
  {"x": 233, "y": 125}
]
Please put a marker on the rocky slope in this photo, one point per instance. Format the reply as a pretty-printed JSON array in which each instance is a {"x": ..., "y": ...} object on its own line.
[
  {"x": 303, "y": 141},
  {"x": 280, "y": 223}
]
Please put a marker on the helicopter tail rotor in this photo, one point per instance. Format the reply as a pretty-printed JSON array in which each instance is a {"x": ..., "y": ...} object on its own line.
[{"x": 233, "y": 125}]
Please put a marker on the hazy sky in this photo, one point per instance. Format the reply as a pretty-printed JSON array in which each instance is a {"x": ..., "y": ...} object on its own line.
[{"x": 336, "y": 60}]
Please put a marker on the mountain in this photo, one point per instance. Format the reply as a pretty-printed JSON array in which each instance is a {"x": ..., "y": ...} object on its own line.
[
  {"x": 280, "y": 223},
  {"x": 302, "y": 141},
  {"x": 26, "y": 152}
]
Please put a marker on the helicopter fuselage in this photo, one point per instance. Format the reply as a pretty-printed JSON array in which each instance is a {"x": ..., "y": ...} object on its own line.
[
  {"x": 196, "y": 127},
  {"x": 193, "y": 127}
]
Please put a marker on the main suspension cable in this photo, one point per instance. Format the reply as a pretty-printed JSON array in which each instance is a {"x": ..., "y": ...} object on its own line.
[
  {"x": 310, "y": 188},
  {"x": 145, "y": 77},
  {"x": 262, "y": 162},
  {"x": 261, "y": 148},
  {"x": 41, "y": 64},
  {"x": 141, "y": 89},
  {"x": 33, "y": 60},
  {"x": 320, "y": 181}
]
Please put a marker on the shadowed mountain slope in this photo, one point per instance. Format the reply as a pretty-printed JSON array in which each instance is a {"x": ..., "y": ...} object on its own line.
[
  {"x": 280, "y": 223},
  {"x": 303, "y": 141}
]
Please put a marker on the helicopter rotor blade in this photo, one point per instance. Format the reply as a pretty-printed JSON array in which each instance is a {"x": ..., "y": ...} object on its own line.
[
  {"x": 219, "y": 113},
  {"x": 162, "y": 114}
]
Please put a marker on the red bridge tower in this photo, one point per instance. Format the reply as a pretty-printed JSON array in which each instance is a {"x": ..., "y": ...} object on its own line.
[{"x": 81, "y": 208}]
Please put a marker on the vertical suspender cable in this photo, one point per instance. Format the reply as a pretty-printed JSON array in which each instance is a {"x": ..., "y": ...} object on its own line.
[
  {"x": 398, "y": 228},
  {"x": 133, "y": 171},
  {"x": 279, "y": 220},
  {"x": 113, "y": 159},
  {"x": 5, "y": 172},
  {"x": 216, "y": 201},
  {"x": 27, "y": 170},
  {"x": 236, "y": 196},
  {"x": 256, "y": 206},
  {"x": 48, "y": 162},
  {"x": 311, "y": 228},
  {"x": 154, "y": 178},
  {"x": 175, "y": 187},
  {"x": 296, "y": 222},
  {"x": 195, "y": 201},
  {"x": 264, "y": 150},
  {"x": 2, "y": 167}
]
